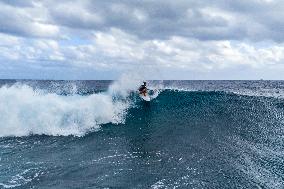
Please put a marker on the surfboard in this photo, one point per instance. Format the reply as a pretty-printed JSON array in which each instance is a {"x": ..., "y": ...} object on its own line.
[{"x": 146, "y": 98}]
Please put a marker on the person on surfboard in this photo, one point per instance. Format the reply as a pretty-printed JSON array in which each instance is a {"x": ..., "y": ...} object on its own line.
[{"x": 143, "y": 89}]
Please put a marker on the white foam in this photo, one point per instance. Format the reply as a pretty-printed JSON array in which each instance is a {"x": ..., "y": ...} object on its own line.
[
  {"x": 25, "y": 111},
  {"x": 128, "y": 82}
]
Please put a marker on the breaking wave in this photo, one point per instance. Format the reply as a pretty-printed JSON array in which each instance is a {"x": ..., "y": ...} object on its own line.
[{"x": 25, "y": 110}]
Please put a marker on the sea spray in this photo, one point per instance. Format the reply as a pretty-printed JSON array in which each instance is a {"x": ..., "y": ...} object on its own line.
[{"x": 24, "y": 111}]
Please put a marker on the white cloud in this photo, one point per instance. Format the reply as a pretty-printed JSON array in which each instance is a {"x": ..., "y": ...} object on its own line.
[
  {"x": 185, "y": 53},
  {"x": 8, "y": 40},
  {"x": 120, "y": 50},
  {"x": 27, "y": 21}
]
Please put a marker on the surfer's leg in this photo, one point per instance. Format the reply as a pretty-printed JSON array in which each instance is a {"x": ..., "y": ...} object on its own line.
[{"x": 144, "y": 92}]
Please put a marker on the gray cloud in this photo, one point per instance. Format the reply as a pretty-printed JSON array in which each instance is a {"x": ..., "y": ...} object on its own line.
[
  {"x": 18, "y": 3},
  {"x": 26, "y": 21},
  {"x": 254, "y": 20},
  {"x": 232, "y": 20}
]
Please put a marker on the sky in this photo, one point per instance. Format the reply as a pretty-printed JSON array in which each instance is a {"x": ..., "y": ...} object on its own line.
[{"x": 158, "y": 39}]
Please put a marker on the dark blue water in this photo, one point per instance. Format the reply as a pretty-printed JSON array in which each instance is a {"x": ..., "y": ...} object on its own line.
[{"x": 194, "y": 134}]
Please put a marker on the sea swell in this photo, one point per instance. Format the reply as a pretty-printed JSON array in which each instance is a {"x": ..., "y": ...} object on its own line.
[
  {"x": 26, "y": 109},
  {"x": 211, "y": 137}
]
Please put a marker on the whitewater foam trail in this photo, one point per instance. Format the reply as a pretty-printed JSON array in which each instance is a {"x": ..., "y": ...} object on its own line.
[{"x": 25, "y": 111}]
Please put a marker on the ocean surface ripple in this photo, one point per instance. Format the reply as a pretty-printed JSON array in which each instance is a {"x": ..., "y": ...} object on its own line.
[{"x": 100, "y": 134}]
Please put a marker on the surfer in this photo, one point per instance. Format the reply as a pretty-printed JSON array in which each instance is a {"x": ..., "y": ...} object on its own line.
[{"x": 143, "y": 89}]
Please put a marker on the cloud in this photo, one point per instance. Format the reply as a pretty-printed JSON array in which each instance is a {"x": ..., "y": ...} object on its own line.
[
  {"x": 18, "y": 3},
  {"x": 186, "y": 53},
  {"x": 114, "y": 36},
  {"x": 26, "y": 21},
  {"x": 255, "y": 20},
  {"x": 75, "y": 15}
]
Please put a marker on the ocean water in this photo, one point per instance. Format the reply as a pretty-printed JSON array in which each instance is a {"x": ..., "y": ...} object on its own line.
[{"x": 100, "y": 134}]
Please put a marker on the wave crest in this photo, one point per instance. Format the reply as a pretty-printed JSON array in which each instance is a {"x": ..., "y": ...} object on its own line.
[{"x": 24, "y": 111}]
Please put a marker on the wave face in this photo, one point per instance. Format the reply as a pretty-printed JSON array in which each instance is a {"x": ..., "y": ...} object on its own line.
[{"x": 194, "y": 134}]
